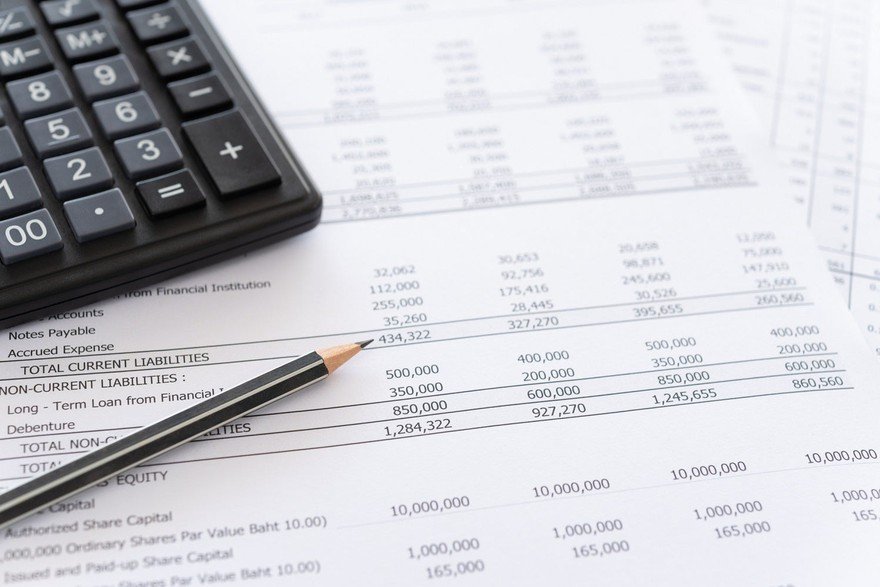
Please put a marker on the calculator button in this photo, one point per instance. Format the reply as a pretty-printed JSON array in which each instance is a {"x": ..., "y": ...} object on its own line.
[
  {"x": 200, "y": 95},
  {"x": 58, "y": 133},
  {"x": 158, "y": 24},
  {"x": 106, "y": 78},
  {"x": 149, "y": 154},
  {"x": 39, "y": 95},
  {"x": 129, "y": 4},
  {"x": 23, "y": 57},
  {"x": 28, "y": 236},
  {"x": 98, "y": 215},
  {"x": 170, "y": 193},
  {"x": 234, "y": 157},
  {"x": 87, "y": 41},
  {"x": 65, "y": 12},
  {"x": 10, "y": 154},
  {"x": 18, "y": 192},
  {"x": 179, "y": 58},
  {"x": 78, "y": 174},
  {"x": 15, "y": 23},
  {"x": 126, "y": 116}
]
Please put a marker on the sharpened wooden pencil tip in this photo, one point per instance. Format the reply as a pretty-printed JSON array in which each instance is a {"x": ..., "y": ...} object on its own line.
[
  {"x": 337, "y": 356},
  {"x": 365, "y": 343}
]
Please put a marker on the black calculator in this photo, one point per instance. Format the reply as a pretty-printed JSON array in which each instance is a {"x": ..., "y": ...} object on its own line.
[{"x": 131, "y": 149}]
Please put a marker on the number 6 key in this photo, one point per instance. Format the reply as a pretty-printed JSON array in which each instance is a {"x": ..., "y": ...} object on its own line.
[{"x": 126, "y": 116}]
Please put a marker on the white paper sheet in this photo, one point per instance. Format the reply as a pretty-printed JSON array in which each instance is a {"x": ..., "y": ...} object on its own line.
[
  {"x": 641, "y": 375},
  {"x": 811, "y": 69}
]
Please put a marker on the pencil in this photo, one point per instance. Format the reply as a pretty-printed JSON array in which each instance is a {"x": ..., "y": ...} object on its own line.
[{"x": 170, "y": 432}]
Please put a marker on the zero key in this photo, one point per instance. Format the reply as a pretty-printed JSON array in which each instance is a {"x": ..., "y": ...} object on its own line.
[{"x": 232, "y": 154}]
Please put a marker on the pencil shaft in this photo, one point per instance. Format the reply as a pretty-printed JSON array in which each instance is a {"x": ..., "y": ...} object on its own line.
[{"x": 160, "y": 437}]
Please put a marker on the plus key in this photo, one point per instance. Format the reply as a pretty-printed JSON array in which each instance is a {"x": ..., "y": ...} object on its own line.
[{"x": 231, "y": 152}]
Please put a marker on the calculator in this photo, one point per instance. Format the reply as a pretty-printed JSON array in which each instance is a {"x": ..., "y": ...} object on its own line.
[{"x": 131, "y": 149}]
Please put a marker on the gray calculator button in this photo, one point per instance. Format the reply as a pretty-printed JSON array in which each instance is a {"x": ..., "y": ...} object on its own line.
[
  {"x": 171, "y": 193},
  {"x": 27, "y": 236},
  {"x": 18, "y": 192},
  {"x": 106, "y": 78},
  {"x": 15, "y": 23},
  {"x": 127, "y": 115},
  {"x": 158, "y": 24},
  {"x": 23, "y": 57},
  {"x": 98, "y": 215},
  {"x": 58, "y": 133},
  {"x": 129, "y": 4},
  {"x": 78, "y": 174},
  {"x": 200, "y": 95},
  {"x": 40, "y": 94},
  {"x": 87, "y": 41},
  {"x": 64, "y": 12},
  {"x": 179, "y": 58},
  {"x": 10, "y": 154},
  {"x": 232, "y": 153},
  {"x": 149, "y": 154}
]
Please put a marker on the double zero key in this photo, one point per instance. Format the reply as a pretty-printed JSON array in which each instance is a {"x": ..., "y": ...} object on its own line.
[{"x": 28, "y": 236}]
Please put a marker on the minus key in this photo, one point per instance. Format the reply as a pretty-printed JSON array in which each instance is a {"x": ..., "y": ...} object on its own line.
[{"x": 200, "y": 95}]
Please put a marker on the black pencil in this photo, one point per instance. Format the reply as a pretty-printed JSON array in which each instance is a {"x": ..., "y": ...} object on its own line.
[{"x": 155, "y": 439}]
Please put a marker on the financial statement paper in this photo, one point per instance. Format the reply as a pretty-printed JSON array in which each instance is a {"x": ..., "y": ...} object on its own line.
[
  {"x": 810, "y": 68},
  {"x": 605, "y": 349}
]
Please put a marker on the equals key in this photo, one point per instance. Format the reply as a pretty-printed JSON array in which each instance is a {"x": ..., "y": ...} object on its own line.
[
  {"x": 200, "y": 95},
  {"x": 171, "y": 193}
]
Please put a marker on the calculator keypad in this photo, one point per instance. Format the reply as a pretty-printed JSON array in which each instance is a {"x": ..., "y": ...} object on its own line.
[
  {"x": 131, "y": 149},
  {"x": 109, "y": 121}
]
